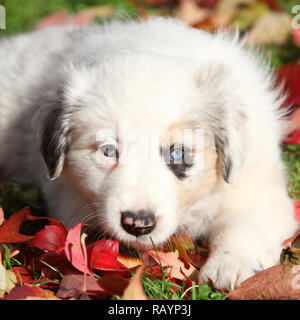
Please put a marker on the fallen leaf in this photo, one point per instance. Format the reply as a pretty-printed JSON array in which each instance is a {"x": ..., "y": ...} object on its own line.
[
  {"x": 297, "y": 210},
  {"x": 281, "y": 282},
  {"x": 294, "y": 138},
  {"x": 129, "y": 262},
  {"x": 104, "y": 255},
  {"x": 72, "y": 286},
  {"x": 289, "y": 242},
  {"x": 170, "y": 261},
  {"x": 30, "y": 292},
  {"x": 291, "y": 250},
  {"x": 227, "y": 9},
  {"x": 189, "y": 12},
  {"x": 74, "y": 251},
  {"x": 52, "y": 237},
  {"x": 290, "y": 75},
  {"x": 9, "y": 229},
  {"x": 135, "y": 290},
  {"x": 23, "y": 275},
  {"x": 296, "y": 36},
  {"x": 82, "y": 18},
  {"x": 246, "y": 17},
  {"x": 7, "y": 280},
  {"x": 184, "y": 244},
  {"x": 293, "y": 126},
  {"x": 272, "y": 28},
  {"x": 113, "y": 284}
]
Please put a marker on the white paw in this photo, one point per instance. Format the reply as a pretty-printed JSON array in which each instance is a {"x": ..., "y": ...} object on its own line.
[{"x": 228, "y": 271}]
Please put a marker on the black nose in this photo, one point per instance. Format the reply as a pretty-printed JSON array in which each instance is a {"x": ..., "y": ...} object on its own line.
[{"x": 138, "y": 223}]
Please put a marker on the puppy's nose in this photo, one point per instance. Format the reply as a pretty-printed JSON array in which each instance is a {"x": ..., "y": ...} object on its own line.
[{"x": 138, "y": 223}]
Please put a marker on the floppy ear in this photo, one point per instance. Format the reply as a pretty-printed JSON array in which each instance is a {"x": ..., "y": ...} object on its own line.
[
  {"x": 230, "y": 141},
  {"x": 54, "y": 134},
  {"x": 225, "y": 116}
]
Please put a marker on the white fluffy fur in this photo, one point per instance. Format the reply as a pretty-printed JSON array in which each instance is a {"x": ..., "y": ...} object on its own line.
[{"x": 151, "y": 75}]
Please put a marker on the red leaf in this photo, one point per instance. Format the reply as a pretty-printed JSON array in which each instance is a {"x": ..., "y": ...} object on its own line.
[
  {"x": 171, "y": 262},
  {"x": 297, "y": 210},
  {"x": 290, "y": 74},
  {"x": 74, "y": 251},
  {"x": 294, "y": 138},
  {"x": 135, "y": 290},
  {"x": 72, "y": 286},
  {"x": 289, "y": 242},
  {"x": 104, "y": 255},
  {"x": 28, "y": 291},
  {"x": 23, "y": 273},
  {"x": 62, "y": 18},
  {"x": 113, "y": 285},
  {"x": 9, "y": 230},
  {"x": 281, "y": 282},
  {"x": 296, "y": 36},
  {"x": 52, "y": 237}
]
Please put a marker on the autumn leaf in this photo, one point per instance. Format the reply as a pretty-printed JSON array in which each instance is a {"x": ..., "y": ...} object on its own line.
[
  {"x": 7, "y": 280},
  {"x": 104, "y": 255},
  {"x": 190, "y": 13},
  {"x": 226, "y": 10},
  {"x": 290, "y": 75},
  {"x": 272, "y": 28},
  {"x": 246, "y": 17},
  {"x": 74, "y": 251},
  {"x": 171, "y": 263},
  {"x": 30, "y": 292},
  {"x": 291, "y": 250},
  {"x": 281, "y": 282},
  {"x": 185, "y": 246},
  {"x": 52, "y": 237},
  {"x": 82, "y": 18},
  {"x": 23, "y": 275},
  {"x": 113, "y": 284},
  {"x": 129, "y": 262},
  {"x": 9, "y": 229},
  {"x": 72, "y": 286},
  {"x": 296, "y": 36},
  {"x": 135, "y": 290}
]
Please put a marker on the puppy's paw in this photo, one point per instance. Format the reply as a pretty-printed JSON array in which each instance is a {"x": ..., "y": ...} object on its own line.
[{"x": 228, "y": 271}]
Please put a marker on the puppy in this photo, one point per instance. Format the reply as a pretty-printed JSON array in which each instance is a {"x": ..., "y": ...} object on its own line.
[{"x": 147, "y": 129}]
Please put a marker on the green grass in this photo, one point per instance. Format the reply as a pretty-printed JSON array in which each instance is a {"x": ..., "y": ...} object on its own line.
[
  {"x": 291, "y": 157},
  {"x": 169, "y": 290},
  {"x": 24, "y": 15}
]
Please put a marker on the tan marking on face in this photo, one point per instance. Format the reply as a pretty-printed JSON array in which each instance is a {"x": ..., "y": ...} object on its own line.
[{"x": 194, "y": 188}]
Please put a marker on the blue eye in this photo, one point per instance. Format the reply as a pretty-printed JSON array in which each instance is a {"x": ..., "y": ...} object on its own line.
[
  {"x": 177, "y": 154},
  {"x": 109, "y": 150}
]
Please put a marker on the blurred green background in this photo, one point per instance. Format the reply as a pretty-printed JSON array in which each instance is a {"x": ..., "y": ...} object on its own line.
[{"x": 24, "y": 15}]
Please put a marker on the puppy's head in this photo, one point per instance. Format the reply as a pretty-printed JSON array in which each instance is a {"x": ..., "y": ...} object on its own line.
[{"x": 142, "y": 139}]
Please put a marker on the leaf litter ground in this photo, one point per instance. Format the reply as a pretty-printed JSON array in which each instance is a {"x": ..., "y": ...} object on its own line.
[{"x": 52, "y": 262}]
